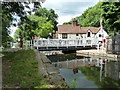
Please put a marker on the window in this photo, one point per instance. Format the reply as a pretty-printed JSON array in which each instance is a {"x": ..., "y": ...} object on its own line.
[
  {"x": 64, "y": 36},
  {"x": 88, "y": 35},
  {"x": 88, "y": 41},
  {"x": 100, "y": 35},
  {"x": 77, "y": 34}
]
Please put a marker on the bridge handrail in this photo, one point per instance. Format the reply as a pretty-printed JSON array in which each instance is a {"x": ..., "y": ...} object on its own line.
[{"x": 65, "y": 42}]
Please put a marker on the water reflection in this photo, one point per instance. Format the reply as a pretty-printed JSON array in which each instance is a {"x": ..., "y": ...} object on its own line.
[
  {"x": 101, "y": 73},
  {"x": 79, "y": 79},
  {"x": 75, "y": 70}
]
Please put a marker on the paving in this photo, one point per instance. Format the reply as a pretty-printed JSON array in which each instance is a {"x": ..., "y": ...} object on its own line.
[{"x": 97, "y": 52}]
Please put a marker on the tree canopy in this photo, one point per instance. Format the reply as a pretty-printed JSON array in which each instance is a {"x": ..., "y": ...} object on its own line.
[
  {"x": 12, "y": 9},
  {"x": 91, "y": 17},
  {"x": 111, "y": 16},
  {"x": 109, "y": 12},
  {"x": 39, "y": 24}
]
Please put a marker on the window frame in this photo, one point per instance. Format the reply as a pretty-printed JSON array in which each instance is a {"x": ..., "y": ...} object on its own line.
[
  {"x": 64, "y": 35},
  {"x": 88, "y": 34},
  {"x": 77, "y": 34}
]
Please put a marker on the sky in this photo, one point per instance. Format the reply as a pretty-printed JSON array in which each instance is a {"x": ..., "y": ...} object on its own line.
[{"x": 66, "y": 9}]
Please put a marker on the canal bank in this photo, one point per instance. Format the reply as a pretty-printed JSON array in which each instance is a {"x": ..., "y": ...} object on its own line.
[
  {"x": 98, "y": 54},
  {"x": 49, "y": 71}
]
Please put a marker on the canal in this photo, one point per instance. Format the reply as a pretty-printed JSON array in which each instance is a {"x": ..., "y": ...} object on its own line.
[{"x": 86, "y": 72}]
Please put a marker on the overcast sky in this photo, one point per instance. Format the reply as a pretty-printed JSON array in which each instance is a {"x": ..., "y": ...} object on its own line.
[{"x": 68, "y": 9}]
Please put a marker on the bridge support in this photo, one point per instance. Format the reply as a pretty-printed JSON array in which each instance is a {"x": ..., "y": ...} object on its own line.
[{"x": 68, "y": 51}]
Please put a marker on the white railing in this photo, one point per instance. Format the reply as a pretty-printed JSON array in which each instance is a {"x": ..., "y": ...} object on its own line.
[{"x": 65, "y": 42}]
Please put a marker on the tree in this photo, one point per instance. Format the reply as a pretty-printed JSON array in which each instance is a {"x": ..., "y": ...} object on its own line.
[
  {"x": 67, "y": 23},
  {"x": 39, "y": 24},
  {"x": 50, "y": 15},
  {"x": 111, "y": 16},
  {"x": 91, "y": 17},
  {"x": 11, "y": 9},
  {"x": 43, "y": 28},
  {"x": 18, "y": 34},
  {"x": 108, "y": 11}
]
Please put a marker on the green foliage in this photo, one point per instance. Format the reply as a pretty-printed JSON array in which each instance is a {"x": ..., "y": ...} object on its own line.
[
  {"x": 108, "y": 11},
  {"x": 17, "y": 34},
  {"x": 67, "y": 23},
  {"x": 91, "y": 17},
  {"x": 93, "y": 73},
  {"x": 50, "y": 15},
  {"x": 111, "y": 16},
  {"x": 74, "y": 83},
  {"x": 39, "y": 24},
  {"x": 20, "y": 69},
  {"x": 43, "y": 28},
  {"x": 11, "y": 9}
]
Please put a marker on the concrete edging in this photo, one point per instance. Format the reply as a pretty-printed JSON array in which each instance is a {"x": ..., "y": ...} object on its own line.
[
  {"x": 49, "y": 71},
  {"x": 99, "y": 55}
]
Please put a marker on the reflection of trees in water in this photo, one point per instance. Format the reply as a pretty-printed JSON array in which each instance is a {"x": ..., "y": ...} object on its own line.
[
  {"x": 106, "y": 74},
  {"x": 74, "y": 83},
  {"x": 63, "y": 57},
  {"x": 93, "y": 73}
]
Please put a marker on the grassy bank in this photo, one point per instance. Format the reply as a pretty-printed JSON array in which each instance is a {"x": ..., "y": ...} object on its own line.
[{"x": 20, "y": 70}]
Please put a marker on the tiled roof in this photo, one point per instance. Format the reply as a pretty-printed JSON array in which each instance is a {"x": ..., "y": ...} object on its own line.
[{"x": 76, "y": 29}]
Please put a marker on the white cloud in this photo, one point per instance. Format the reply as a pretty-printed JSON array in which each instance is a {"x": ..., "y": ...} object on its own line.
[
  {"x": 68, "y": 9},
  {"x": 63, "y": 19},
  {"x": 58, "y": 1}
]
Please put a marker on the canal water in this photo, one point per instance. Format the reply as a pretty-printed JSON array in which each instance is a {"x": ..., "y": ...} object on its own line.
[{"x": 86, "y": 72}]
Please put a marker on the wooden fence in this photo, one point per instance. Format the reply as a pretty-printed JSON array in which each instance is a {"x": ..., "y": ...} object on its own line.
[{"x": 113, "y": 44}]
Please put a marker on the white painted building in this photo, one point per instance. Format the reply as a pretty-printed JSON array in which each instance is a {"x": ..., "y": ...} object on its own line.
[{"x": 75, "y": 31}]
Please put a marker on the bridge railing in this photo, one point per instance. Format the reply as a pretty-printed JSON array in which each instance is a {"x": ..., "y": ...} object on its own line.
[{"x": 64, "y": 42}]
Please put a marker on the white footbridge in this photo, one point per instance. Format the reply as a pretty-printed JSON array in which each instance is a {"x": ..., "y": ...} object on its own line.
[{"x": 65, "y": 44}]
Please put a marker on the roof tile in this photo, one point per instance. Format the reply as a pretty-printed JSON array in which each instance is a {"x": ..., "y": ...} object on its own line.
[{"x": 76, "y": 29}]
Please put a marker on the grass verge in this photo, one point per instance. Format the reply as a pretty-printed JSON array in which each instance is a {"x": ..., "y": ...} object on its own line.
[{"x": 20, "y": 70}]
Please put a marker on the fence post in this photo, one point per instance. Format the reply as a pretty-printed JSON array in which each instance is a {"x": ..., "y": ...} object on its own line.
[
  {"x": 37, "y": 44},
  {"x": 31, "y": 44},
  {"x": 47, "y": 43}
]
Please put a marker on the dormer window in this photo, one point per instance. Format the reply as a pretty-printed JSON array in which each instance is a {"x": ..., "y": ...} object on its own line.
[
  {"x": 100, "y": 35},
  {"x": 77, "y": 34},
  {"x": 88, "y": 34}
]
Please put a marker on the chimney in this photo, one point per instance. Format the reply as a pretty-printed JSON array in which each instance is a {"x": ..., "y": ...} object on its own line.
[
  {"x": 75, "y": 23},
  {"x": 101, "y": 24}
]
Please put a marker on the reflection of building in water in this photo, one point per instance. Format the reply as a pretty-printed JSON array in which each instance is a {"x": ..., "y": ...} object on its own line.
[
  {"x": 75, "y": 63},
  {"x": 75, "y": 70},
  {"x": 113, "y": 70},
  {"x": 107, "y": 68}
]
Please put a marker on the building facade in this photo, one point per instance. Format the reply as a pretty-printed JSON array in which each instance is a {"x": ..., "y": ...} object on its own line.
[{"x": 75, "y": 31}]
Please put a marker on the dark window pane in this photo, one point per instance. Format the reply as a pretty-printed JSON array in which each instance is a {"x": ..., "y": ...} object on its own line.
[{"x": 88, "y": 35}]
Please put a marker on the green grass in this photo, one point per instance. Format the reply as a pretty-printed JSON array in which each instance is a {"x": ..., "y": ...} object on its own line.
[{"x": 20, "y": 69}]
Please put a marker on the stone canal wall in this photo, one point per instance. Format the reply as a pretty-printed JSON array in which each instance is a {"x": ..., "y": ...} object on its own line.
[{"x": 49, "y": 71}]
